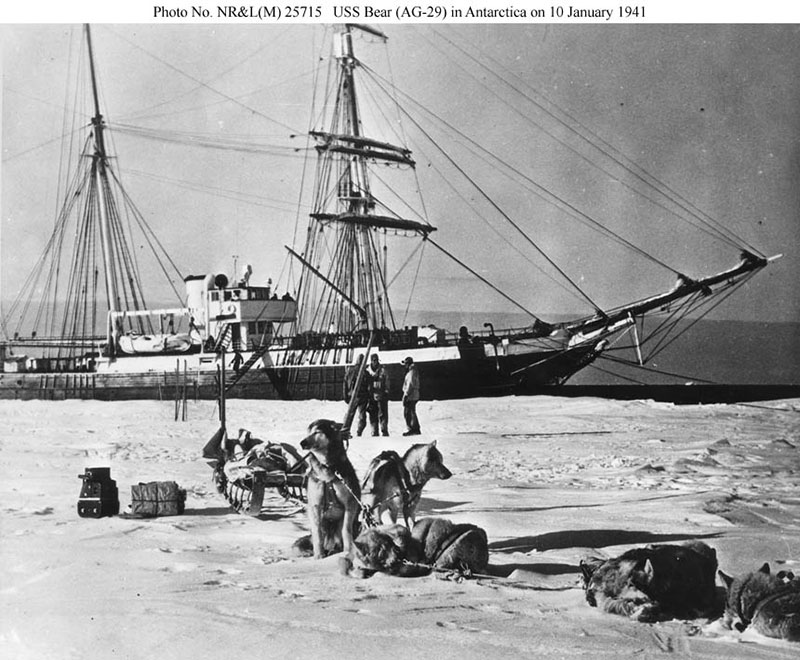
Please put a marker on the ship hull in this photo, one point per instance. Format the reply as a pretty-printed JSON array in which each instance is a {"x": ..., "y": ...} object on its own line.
[{"x": 445, "y": 372}]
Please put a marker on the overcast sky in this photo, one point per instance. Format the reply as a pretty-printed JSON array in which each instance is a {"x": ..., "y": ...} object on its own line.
[{"x": 709, "y": 110}]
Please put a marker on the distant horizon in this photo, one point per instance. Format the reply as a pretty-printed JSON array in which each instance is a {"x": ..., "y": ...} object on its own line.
[{"x": 514, "y": 318}]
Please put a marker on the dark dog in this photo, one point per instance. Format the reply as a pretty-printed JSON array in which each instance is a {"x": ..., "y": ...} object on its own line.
[
  {"x": 387, "y": 549},
  {"x": 654, "y": 583},
  {"x": 767, "y": 602},
  {"x": 333, "y": 492},
  {"x": 392, "y": 486},
  {"x": 433, "y": 544}
]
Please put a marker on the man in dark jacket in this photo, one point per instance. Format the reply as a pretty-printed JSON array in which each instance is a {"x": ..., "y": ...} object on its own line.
[
  {"x": 379, "y": 396},
  {"x": 362, "y": 396}
]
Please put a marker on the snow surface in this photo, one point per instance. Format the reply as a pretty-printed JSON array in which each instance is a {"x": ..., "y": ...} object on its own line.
[{"x": 551, "y": 480}]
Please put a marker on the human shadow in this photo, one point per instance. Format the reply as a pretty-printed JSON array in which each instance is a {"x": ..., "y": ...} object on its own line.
[{"x": 588, "y": 538}]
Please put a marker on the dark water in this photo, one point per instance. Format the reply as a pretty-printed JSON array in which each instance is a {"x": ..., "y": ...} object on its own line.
[{"x": 719, "y": 352}]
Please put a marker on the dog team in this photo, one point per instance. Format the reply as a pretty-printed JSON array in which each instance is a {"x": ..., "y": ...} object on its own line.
[
  {"x": 370, "y": 396},
  {"x": 373, "y": 523}
]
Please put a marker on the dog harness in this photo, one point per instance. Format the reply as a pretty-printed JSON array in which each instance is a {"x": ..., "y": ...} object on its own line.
[{"x": 409, "y": 491}]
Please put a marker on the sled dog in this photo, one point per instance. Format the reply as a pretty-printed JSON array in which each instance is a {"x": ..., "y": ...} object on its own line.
[
  {"x": 654, "y": 583},
  {"x": 433, "y": 544},
  {"x": 392, "y": 486},
  {"x": 333, "y": 492},
  {"x": 767, "y": 602}
]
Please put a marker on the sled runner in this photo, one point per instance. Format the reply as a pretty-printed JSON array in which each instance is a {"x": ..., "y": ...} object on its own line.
[{"x": 245, "y": 468}]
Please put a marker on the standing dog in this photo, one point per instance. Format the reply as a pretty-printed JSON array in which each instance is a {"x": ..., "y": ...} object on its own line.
[
  {"x": 392, "y": 486},
  {"x": 333, "y": 492}
]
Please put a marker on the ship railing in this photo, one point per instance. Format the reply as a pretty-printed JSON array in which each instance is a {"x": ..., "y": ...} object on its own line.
[{"x": 493, "y": 336}]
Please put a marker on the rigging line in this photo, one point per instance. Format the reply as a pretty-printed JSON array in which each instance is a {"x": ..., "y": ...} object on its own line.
[
  {"x": 405, "y": 263},
  {"x": 204, "y": 106},
  {"x": 402, "y": 140},
  {"x": 80, "y": 316},
  {"x": 507, "y": 217},
  {"x": 58, "y": 138},
  {"x": 413, "y": 282},
  {"x": 665, "y": 330},
  {"x": 202, "y": 84},
  {"x": 630, "y": 379},
  {"x": 682, "y": 310},
  {"x": 514, "y": 246},
  {"x": 80, "y": 240},
  {"x": 481, "y": 278},
  {"x": 53, "y": 252},
  {"x": 712, "y": 226},
  {"x": 126, "y": 210},
  {"x": 129, "y": 272},
  {"x": 148, "y": 232},
  {"x": 65, "y": 164},
  {"x": 215, "y": 137},
  {"x": 375, "y": 105},
  {"x": 543, "y": 193},
  {"x": 711, "y": 308},
  {"x": 267, "y": 42},
  {"x": 201, "y": 141},
  {"x": 399, "y": 198},
  {"x": 653, "y": 370},
  {"x": 61, "y": 220},
  {"x": 550, "y": 197},
  {"x": 306, "y": 158},
  {"x": 223, "y": 193},
  {"x": 386, "y": 308},
  {"x": 232, "y": 141},
  {"x": 396, "y": 103},
  {"x": 669, "y": 324}
]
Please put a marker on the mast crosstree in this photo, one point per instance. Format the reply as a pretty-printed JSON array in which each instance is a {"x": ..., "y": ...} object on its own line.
[{"x": 343, "y": 241}]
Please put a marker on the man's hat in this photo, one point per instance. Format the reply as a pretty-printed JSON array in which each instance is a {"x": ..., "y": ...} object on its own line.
[{"x": 408, "y": 361}]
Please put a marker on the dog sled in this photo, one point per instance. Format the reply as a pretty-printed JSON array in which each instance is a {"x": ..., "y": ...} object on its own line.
[{"x": 245, "y": 468}]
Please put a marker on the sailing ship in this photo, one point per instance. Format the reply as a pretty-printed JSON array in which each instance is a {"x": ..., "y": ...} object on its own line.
[{"x": 300, "y": 345}]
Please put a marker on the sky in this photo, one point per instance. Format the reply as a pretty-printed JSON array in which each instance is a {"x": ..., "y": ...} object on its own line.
[{"x": 710, "y": 110}]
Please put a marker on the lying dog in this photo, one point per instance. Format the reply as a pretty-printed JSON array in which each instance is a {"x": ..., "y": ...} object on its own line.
[
  {"x": 333, "y": 493},
  {"x": 392, "y": 486},
  {"x": 768, "y": 602},
  {"x": 654, "y": 583},
  {"x": 433, "y": 544}
]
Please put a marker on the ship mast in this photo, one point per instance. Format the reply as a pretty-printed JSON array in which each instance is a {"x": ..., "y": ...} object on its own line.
[
  {"x": 99, "y": 174},
  {"x": 354, "y": 195},
  {"x": 352, "y": 261}
]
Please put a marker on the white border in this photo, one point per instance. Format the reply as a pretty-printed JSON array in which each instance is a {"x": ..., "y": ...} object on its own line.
[{"x": 399, "y": 11}]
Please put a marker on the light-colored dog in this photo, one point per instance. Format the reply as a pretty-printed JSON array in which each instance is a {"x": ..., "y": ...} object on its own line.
[
  {"x": 333, "y": 492},
  {"x": 392, "y": 486}
]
